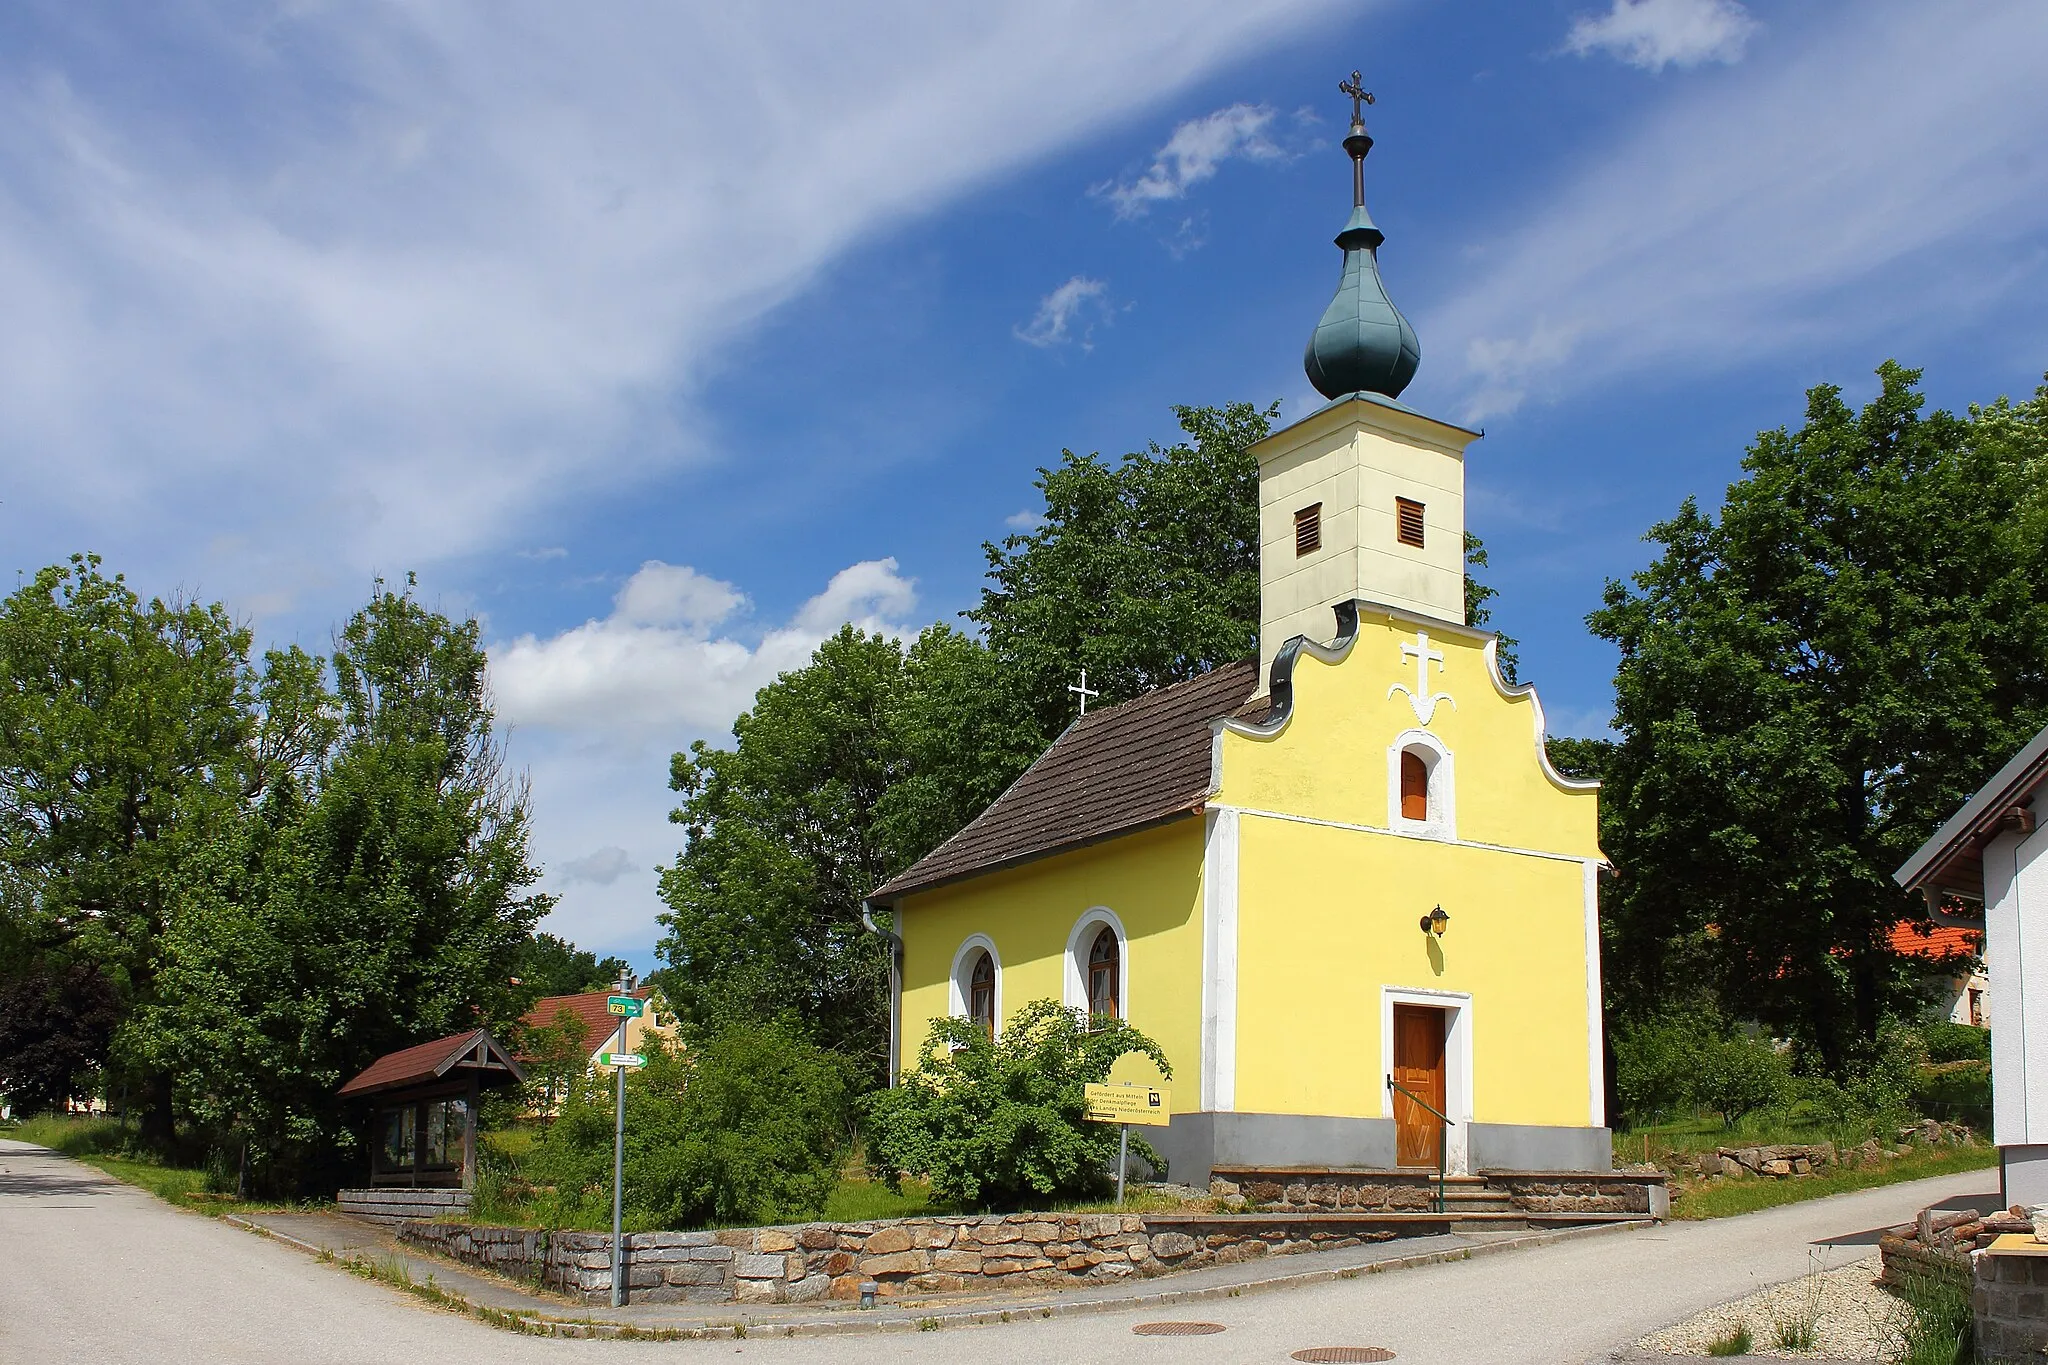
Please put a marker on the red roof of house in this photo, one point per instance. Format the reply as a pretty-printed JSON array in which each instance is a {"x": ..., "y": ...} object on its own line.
[
  {"x": 1922, "y": 938},
  {"x": 588, "y": 1007},
  {"x": 430, "y": 1061}
]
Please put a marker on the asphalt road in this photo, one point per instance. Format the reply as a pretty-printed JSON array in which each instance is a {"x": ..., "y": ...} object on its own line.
[{"x": 95, "y": 1271}]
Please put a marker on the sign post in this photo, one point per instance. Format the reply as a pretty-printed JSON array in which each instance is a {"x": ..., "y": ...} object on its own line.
[
  {"x": 1125, "y": 1105},
  {"x": 619, "y": 1131}
]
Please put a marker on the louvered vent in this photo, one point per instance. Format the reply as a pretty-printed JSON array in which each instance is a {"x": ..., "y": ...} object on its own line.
[
  {"x": 1408, "y": 522},
  {"x": 1308, "y": 530}
]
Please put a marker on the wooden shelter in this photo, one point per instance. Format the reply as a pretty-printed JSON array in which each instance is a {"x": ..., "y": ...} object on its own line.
[{"x": 425, "y": 1099}]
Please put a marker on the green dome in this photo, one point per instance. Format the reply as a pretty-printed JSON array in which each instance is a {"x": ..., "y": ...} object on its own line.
[{"x": 1363, "y": 344}]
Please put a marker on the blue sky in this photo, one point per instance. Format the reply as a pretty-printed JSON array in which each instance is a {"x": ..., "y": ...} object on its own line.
[{"x": 666, "y": 340}]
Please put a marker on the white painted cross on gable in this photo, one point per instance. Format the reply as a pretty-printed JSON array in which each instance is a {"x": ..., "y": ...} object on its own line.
[{"x": 1421, "y": 700}]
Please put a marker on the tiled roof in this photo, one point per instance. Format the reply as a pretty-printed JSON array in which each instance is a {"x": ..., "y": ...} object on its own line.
[
  {"x": 1114, "y": 770},
  {"x": 422, "y": 1062},
  {"x": 1942, "y": 941},
  {"x": 588, "y": 1007}
]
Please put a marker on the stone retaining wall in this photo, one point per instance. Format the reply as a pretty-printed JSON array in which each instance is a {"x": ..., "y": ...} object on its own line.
[
  {"x": 902, "y": 1256},
  {"x": 399, "y": 1204},
  {"x": 1561, "y": 1192}
]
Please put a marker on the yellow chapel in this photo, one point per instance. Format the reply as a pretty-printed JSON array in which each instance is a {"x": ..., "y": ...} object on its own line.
[{"x": 1340, "y": 884}]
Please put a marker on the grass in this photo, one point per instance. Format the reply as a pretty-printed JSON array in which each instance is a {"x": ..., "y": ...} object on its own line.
[
  {"x": 856, "y": 1200},
  {"x": 108, "y": 1144},
  {"x": 1735, "y": 1343},
  {"x": 1723, "y": 1198},
  {"x": 1795, "y": 1320},
  {"x": 1938, "y": 1325}
]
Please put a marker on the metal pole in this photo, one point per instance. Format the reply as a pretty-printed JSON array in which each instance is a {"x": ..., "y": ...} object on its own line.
[
  {"x": 619, "y": 1168},
  {"x": 1123, "y": 1159}
]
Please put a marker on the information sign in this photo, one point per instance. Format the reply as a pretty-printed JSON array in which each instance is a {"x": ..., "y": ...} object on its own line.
[
  {"x": 1143, "y": 1104},
  {"x": 623, "y": 1005},
  {"x": 621, "y": 1059}
]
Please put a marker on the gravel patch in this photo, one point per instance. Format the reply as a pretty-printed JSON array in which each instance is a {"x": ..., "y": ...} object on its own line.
[{"x": 1852, "y": 1318}]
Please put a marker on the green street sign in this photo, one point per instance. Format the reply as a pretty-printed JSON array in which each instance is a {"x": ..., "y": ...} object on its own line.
[
  {"x": 624, "y": 1005},
  {"x": 621, "y": 1059}
]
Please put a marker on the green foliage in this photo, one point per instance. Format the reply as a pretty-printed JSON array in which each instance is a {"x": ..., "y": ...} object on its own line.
[
  {"x": 1741, "y": 1075},
  {"x": 375, "y": 899},
  {"x": 1733, "y": 1343},
  {"x": 1947, "y": 1041},
  {"x": 547, "y": 965},
  {"x": 1958, "y": 1091},
  {"x": 746, "y": 1123},
  {"x": 997, "y": 1123},
  {"x": 1939, "y": 1326},
  {"x": 55, "y": 1026},
  {"x": 1808, "y": 685},
  {"x": 1685, "y": 1059},
  {"x": 555, "y": 1052}
]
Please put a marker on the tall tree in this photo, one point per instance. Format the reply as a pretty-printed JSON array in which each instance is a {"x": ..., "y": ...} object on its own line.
[
  {"x": 548, "y": 965},
  {"x": 1807, "y": 686},
  {"x": 379, "y": 900}
]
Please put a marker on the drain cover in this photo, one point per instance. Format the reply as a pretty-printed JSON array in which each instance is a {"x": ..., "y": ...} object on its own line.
[
  {"x": 1177, "y": 1329},
  {"x": 1342, "y": 1355}
]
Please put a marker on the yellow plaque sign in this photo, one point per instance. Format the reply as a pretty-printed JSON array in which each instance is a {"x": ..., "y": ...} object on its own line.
[{"x": 1146, "y": 1104}]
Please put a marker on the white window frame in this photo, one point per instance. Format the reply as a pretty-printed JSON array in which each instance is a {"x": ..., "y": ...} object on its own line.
[
  {"x": 1457, "y": 1064},
  {"x": 1442, "y": 820},
  {"x": 1078, "y": 944},
  {"x": 959, "y": 979}
]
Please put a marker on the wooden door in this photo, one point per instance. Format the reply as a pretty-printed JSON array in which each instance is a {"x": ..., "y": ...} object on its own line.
[{"x": 1418, "y": 1065}]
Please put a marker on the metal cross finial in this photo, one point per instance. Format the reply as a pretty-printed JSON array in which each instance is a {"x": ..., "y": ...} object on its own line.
[
  {"x": 1084, "y": 691},
  {"x": 1355, "y": 88}
]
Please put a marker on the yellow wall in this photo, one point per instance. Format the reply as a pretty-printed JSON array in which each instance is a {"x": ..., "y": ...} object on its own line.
[
  {"x": 1329, "y": 914},
  {"x": 1152, "y": 880}
]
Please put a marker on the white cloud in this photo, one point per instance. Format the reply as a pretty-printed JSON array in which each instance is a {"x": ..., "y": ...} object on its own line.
[
  {"x": 600, "y": 867},
  {"x": 674, "y": 595},
  {"x": 1785, "y": 203},
  {"x": 653, "y": 669},
  {"x": 384, "y": 284},
  {"x": 1193, "y": 154},
  {"x": 1058, "y": 310},
  {"x": 1654, "y": 34},
  {"x": 1026, "y": 520}
]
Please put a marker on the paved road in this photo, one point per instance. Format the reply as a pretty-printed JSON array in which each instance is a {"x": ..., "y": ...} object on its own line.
[{"x": 95, "y": 1271}]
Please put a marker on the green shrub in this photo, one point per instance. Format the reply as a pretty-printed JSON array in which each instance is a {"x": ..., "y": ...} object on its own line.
[
  {"x": 1959, "y": 1091},
  {"x": 1951, "y": 1042},
  {"x": 997, "y": 1123},
  {"x": 1739, "y": 1076},
  {"x": 745, "y": 1124},
  {"x": 1692, "y": 1059}
]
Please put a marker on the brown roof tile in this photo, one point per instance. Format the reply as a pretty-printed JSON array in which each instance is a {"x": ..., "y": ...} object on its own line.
[
  {"x": 589, "y": 1008},
  {"x": 420, "y": 1062},
  {"x": 1113, "y": 771}
]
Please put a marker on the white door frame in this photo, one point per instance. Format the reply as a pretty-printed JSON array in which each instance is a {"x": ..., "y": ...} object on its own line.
[{"x": 1457, "y": 1064}]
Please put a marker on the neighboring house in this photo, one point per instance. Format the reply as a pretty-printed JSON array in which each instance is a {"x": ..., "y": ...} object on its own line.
[
  {"x": 1955, "y": 967},
  {"x": 1992, "y": 855},
  {"x": 599, "y": 1025},
  {"x": 1344, "y": 864}
]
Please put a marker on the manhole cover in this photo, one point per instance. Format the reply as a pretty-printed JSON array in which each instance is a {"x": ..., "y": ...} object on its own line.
[
  {"x": 1177, "y": 1329},
  {"x": 1342, "y": 1355}
]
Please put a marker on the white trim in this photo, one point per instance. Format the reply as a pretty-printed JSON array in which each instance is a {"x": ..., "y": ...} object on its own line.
[
  {"x": 1078, "y": 943},
  {"x": 1399, "y": 834},
  {"x": 1518, "y": 691},
  {"x": 956, "y": 1003},
  {"x": 1457, "y": 1063},
  {"x": 1441, "y": 822},
  {"x": 1219, "y": 962},
  {"x": 1596, "y": 1055}
]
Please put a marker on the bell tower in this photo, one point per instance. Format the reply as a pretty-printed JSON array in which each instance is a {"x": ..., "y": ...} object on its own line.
[{"x": 1363, "y": 499}]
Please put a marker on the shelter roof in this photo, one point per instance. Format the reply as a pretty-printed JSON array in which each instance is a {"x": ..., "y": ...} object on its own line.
[
  {"x": 588, "y": 1008},
  {"x": 1952, "y": 861},
  {"x": 1114, "y": 771},
  {"x": 458, "y": 1054}
]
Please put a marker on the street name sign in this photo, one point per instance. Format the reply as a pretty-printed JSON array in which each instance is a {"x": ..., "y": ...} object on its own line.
[
  {"x": 623, "y": 1005},
  {"x": 621, "y": 1059},
  {"x": 1150, "y": 1105}
]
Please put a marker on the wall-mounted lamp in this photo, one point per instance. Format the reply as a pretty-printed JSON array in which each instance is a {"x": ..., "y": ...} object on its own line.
[{"x": 1434, "y": 922}]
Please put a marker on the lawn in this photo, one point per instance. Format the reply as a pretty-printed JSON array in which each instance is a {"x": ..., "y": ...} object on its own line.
[{"x": 109, "y": 1145}]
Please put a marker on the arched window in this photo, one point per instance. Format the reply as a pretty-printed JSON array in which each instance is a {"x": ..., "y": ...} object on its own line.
[
  {"x": 1104, "y": 976},
  {"x": 1414, "y": 786},
  {"x": 981, "y": 993}
]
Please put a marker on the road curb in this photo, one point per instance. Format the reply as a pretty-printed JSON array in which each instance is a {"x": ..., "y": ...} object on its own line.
[{"x": 537, "y": 1322}]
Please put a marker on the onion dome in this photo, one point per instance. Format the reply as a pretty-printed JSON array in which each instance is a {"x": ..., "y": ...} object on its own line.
[{"x": 1363, "y": 344}]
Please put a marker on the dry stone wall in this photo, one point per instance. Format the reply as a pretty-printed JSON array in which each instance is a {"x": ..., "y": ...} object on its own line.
[{"x": 903, "y": 1256}]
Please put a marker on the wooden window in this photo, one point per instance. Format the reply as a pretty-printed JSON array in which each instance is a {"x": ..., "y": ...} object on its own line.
[
  {"x": 1308, "y": 530},
  {"x": 1105, "y": 960},
  {"x": 981, "y": 993},
  {"x": 1408, "y": 522},
  {"x": 1414, "y": 786}
]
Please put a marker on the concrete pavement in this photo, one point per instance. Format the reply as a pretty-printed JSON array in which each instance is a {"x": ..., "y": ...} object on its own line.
[{"x": 93, "y": 1270}]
